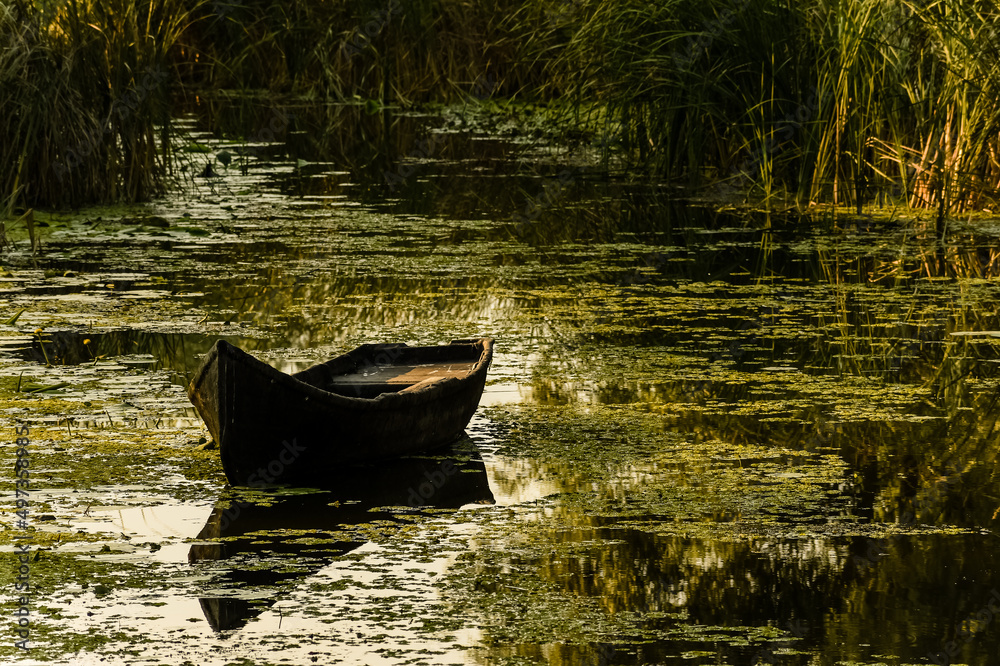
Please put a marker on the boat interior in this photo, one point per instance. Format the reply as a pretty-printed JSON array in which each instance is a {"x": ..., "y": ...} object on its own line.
[
  {"x": 372, "y": 370},
  {"x": 370, "y": 381}
]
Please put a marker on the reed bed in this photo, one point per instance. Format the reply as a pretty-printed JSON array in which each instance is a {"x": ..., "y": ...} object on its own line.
[
  {"x": 849, "y": 102},
  {"x": 86, "y": 99},
  {"x": 391, "y": 51}
]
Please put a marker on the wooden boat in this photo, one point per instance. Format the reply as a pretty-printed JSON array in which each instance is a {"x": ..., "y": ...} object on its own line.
[{"x": 373, "y": 403}]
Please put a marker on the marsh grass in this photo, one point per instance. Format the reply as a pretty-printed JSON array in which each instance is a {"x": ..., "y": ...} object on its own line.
[
  {"x": 851, "y": 103},
  {"x": 85, "y": 107},
  {"x": 391, "y": 51}
]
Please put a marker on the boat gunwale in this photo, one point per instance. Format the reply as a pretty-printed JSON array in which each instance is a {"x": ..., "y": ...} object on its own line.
[{"x": 226, "y": 350}]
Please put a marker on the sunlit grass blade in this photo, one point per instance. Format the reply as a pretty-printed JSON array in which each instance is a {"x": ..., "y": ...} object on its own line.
[{"x": 17, "y": 315}]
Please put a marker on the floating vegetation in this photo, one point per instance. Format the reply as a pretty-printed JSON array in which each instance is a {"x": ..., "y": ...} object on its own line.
[{"x": 716, "y": 437}]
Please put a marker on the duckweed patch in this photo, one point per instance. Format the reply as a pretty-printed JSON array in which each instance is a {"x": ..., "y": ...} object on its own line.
[{"x": 615, "y": 467}]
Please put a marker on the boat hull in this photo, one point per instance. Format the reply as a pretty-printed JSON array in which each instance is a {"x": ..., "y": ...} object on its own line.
[{"x": 274, "y": 428}]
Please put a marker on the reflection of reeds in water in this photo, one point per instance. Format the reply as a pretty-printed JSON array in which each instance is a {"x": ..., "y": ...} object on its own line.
[
  {"x": 792, "y": 585},
  {"x": 876, "y": 333},
  {"x": 907, "y": 475}
]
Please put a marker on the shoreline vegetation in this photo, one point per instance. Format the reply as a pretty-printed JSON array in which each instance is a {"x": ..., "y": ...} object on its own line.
[{"x": 850, "y": 103}]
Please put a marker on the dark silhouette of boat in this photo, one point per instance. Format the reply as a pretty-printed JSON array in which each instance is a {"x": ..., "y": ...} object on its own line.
[{"x": 374, "y": 403}]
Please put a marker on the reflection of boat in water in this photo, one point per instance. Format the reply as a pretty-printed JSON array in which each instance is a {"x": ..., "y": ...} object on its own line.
[
  {"x": 373, "y": 403},
  {"x": 274, "y": 537}
]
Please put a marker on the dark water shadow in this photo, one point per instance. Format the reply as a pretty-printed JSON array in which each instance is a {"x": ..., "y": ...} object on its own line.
[
  {"x": 274, "y": 537},
  {"x": 180, "y": 353},
  {"x": 926, "y": 599}
]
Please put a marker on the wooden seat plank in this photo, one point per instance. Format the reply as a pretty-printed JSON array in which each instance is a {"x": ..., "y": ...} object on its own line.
[{"x": 405, "y": 374}]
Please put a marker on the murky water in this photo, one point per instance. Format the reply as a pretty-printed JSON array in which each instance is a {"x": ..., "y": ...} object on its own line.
[{"x": 707, "y": 437}]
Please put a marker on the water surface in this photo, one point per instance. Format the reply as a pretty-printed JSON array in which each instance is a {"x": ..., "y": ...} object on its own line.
[{"x": 708, "y": 437}]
